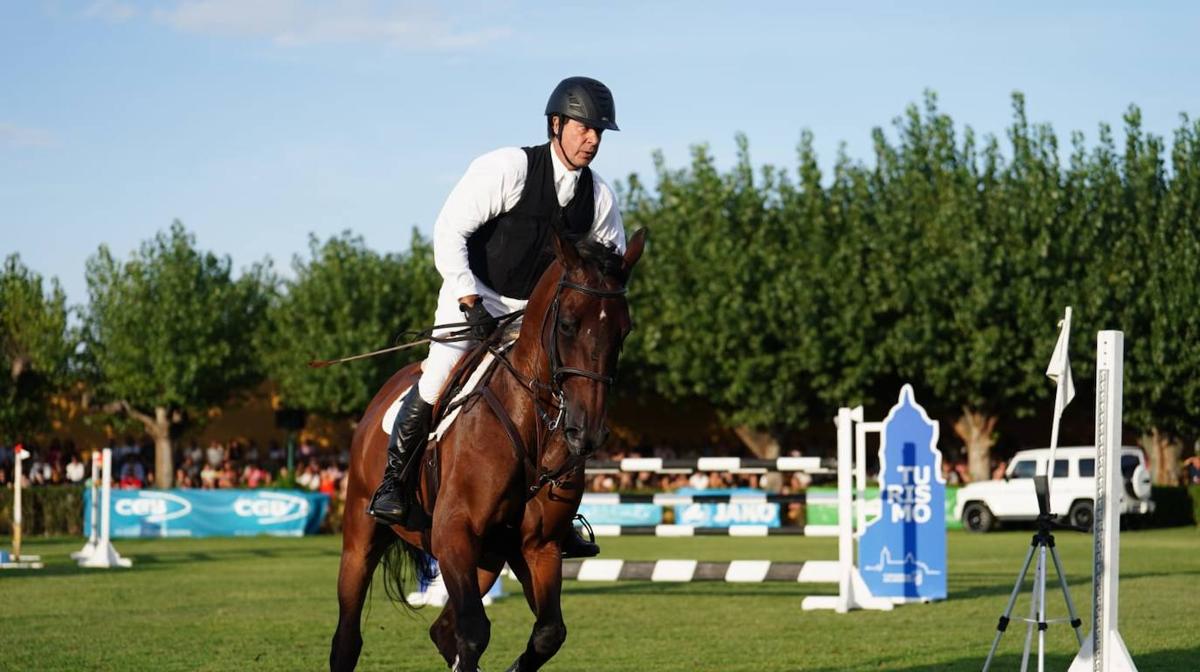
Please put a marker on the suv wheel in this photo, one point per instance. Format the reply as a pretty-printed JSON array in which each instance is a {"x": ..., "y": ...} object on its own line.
[
  {"x": 1082, "y": 514},
  {"x": 977, "y": 517}
]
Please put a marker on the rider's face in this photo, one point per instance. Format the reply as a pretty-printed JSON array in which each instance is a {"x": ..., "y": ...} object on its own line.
[{"x": 579, "y": 142}]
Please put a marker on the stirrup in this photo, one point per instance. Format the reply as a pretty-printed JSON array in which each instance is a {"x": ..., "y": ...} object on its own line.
[
  {"x": 587, "y": 526},
  {"x": 583, "y": 548}
]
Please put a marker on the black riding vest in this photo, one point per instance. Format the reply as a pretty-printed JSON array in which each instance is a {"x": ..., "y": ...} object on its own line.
[{"x": 512, "y": 250}]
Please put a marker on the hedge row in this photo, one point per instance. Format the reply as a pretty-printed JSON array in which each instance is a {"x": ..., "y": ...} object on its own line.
[{"x": 52, "y": 511}]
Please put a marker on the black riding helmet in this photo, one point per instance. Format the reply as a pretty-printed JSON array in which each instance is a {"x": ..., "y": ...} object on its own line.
[{"x": 585, "y": 100}]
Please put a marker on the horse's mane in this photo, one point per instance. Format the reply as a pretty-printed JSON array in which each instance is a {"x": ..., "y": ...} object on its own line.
[{"x": 603, "y": 257}]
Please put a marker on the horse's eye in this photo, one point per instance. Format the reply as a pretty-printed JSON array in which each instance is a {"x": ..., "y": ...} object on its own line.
[{"x": 567, "y": 328}]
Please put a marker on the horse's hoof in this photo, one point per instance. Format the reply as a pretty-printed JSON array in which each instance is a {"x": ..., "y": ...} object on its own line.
[
  {"x": 515, "y": 667},
  {"x": 458, "y": 668}
]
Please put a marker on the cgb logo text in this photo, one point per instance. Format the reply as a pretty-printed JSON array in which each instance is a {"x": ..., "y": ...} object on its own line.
[{"x": 270, "y": 508}]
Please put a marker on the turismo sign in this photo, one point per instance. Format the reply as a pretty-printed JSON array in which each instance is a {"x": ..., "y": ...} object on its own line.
[
  {"x": 902, "y": 553},
  {"x": 213, "y": 513}
]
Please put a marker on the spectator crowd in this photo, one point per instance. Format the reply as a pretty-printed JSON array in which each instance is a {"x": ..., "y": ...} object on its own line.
[
  {"x": 232, "y": 464},
  {"x": 237, "y": 464}
]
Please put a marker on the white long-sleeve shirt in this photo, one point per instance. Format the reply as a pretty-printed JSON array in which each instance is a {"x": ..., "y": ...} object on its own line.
[{"x": 492, "y": 186}]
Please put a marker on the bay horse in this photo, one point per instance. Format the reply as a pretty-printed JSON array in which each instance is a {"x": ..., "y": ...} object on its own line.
[{"x": 505, "y": 482}]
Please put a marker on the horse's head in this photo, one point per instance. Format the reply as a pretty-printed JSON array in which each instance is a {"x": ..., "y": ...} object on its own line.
[{"x": 584, "y": 321}]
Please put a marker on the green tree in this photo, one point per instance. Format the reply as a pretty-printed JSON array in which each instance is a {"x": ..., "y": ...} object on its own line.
[
  {"x": 727, "y": 323},
  {"x": 36, "y": 345},
  {"x": 971, "y": 277},
  {"x": 946, "y": 263},
  {"x": 845, "y": 275},
  {"x": 346, "y": 299},
  {"x": 169, "y": 334},
  {"x": 1159, "y": 314}
]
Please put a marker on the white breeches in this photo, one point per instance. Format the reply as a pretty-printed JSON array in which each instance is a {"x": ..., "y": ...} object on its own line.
[{"x": 443, "y": 356}]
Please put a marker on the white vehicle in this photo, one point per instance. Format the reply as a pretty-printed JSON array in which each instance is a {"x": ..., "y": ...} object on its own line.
[{"x": 1072, "y": 489}]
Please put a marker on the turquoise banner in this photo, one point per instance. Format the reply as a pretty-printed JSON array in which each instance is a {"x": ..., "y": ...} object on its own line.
[
  {"x": 211, "y": 513},
  {"x": 726, "y": 514},
  {"x": 622, "y": 514}
]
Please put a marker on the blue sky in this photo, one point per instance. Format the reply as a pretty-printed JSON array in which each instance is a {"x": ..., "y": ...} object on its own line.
[{"x": 258, "y": 122}]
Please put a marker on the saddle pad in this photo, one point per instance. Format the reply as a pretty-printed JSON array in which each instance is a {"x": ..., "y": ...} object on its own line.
[{"x": 389, "y": 417}]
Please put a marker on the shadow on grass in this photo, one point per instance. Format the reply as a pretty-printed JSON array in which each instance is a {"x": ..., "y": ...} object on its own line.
[
  {"x": 1000, "y": 584},
  {"x": 1167, "y": 660}
]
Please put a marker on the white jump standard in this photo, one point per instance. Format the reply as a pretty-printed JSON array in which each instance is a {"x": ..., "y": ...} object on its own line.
[
  {"x": 1104, "y": 650},
  {"x": 98, "y": 552},
  {"x": 17, "y": 559},
  {"x": 852, "y": 590}
]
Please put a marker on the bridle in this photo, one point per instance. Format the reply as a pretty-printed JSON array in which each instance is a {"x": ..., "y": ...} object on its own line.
[
  {"x": 558, "y": 372},
  {"x": 553, "y": 420}
]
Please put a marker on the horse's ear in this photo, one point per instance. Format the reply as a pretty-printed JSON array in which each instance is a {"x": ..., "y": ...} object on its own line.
[
  {"x": 633, "y": 249},
  {"x": 565, "y": 250}
]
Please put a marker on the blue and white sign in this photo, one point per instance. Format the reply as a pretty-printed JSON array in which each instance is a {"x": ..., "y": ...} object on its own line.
[
  {"x": 902, "y": 553},
  {"x": 622, "y": 514},
  {"x": 212, "y": 513},
  {"x": 726, "y": 514}
]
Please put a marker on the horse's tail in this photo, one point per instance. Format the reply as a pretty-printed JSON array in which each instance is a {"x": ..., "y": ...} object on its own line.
[{"x": 402, "y": 563}]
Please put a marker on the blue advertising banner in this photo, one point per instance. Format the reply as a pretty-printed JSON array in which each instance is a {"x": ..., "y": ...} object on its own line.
[
  {"x": 902, "y": 553},
  {"x": 212, "y": 513},
  {"x": 622, "y": 514},
  {"x": 726, "y": 514}
]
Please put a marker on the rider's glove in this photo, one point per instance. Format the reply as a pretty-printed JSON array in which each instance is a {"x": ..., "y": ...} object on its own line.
[{"x": 482, "y": 322}]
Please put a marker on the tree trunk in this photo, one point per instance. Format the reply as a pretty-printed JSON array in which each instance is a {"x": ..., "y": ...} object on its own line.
[
  {"x": 763, "y": 444},
  {"x": 977, "y": 431},
  {"x": 19, "y": 364},
  {"x": 164, "y": 460},
  {"x": 159, "y": 429},
  {"x": 1165, "y": 452}
]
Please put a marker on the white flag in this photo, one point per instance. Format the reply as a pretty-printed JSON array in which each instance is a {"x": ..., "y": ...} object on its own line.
[{"x": 1060, "y": 372}]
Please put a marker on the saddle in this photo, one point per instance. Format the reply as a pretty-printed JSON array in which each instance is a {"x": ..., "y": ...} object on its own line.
[{"x": 459, "y": 393}]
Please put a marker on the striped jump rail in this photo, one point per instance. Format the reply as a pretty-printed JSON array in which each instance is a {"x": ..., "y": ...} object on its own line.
[
  {"x": 735, "y": 465},
  {"x": 694, "y": 531},
  {"x": 670, "y": 499},
  {"x": 683, "y": 571}
]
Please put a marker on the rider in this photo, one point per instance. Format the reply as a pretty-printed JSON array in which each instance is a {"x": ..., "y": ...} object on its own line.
[{"x": 491, "y": 243}]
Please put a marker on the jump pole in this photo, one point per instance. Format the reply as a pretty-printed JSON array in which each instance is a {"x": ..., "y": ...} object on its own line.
[
  {"x": 103, "y": 554},
  {"x": 852, "y": 590},
  {"x": 16, "y": 528},
  {"x": 1104, "y": 650},
  {"x": 18, "y": 561},
  {"x": 93, "y": 508}
]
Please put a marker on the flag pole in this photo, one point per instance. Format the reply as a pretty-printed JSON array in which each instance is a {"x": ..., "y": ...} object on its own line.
[
  {"x": 1042, "y": 547},
  {"x": 1060, "y": 372}
]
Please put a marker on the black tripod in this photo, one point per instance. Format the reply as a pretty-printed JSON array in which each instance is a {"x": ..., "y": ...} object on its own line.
[{"x": 1043, "y": 542}]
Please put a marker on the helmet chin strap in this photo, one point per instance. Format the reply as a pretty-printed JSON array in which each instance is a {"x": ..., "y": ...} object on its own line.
[{"x": 561, "y": 150}]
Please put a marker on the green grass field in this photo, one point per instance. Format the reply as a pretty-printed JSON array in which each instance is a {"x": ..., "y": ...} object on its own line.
[{"x": 268, "y": 604}]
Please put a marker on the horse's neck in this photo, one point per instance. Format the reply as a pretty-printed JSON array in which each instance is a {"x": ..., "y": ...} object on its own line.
[{"x": 520, "y": 390}]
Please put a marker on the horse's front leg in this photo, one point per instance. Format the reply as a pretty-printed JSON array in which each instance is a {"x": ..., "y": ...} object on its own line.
[
  {"x": 362, "y": 546},
  {"x": 540, "y": 572},
  {"x": 443, "y": 632},
  {"x": 458, "y": 550}
]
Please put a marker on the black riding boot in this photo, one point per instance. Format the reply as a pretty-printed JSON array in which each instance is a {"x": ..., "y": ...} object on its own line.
[
  {"x": 575, "y": 546},
  {"x": 411, "y": 429}
]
